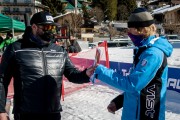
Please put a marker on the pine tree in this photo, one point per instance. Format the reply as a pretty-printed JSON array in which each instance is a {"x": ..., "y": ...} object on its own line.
[
  {"x": 145, "y": 3},
  {"x": 131, "y": 5},
  {"x": 125, "y": 7},
  {"x": 55, "y": 6},
  {"x": 112, "y": 9},
  {"x": 108, "y": 6}
]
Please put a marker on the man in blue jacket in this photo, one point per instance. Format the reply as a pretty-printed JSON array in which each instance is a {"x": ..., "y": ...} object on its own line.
[{"x": 145, "y": 87}]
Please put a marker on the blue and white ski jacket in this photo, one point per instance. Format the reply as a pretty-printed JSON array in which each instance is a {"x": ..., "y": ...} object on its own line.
[{"x": 141, "y": 77}]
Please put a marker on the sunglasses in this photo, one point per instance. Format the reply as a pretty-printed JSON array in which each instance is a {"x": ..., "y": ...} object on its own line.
[{"x": 47, "y": 27}]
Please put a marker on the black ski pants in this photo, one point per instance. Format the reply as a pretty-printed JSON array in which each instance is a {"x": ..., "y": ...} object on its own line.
[{"x": 30, "y": 116}]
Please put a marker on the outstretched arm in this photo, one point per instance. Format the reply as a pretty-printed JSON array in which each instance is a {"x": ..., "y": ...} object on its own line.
[
  {"x": 140, "y": 76},
  {"x": 73, "y": 74}
]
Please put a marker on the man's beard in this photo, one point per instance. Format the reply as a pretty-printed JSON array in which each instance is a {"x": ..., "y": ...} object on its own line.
[{"x": 47, "y": 36}]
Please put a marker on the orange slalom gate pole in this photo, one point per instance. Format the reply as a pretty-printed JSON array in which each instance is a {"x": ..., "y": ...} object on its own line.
[{"x": 107, "y": 54}]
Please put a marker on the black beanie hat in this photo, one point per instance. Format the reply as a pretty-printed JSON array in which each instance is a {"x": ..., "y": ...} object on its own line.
[{"x": 140, "y": 17}]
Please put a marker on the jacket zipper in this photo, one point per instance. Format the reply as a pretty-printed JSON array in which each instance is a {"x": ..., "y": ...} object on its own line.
[{"x": 44, "y": 62}]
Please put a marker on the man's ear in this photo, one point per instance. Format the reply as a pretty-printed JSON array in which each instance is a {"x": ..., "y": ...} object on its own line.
[{"x": 33, "y": 26}]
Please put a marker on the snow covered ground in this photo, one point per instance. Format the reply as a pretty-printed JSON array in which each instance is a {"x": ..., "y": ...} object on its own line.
[{"x": 90, "y": 104}]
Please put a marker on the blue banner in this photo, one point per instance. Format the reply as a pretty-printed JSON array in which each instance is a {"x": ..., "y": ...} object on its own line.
[{"x": 174, "y": 79}]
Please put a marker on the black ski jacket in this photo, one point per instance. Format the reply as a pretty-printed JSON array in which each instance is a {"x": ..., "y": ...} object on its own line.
[{"x": 37, "y": 72}]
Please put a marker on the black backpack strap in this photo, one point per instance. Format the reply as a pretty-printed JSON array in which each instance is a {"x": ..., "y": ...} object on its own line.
[
  {"x": 138, "y": 53},
  {"x": 161, "y": 69}
]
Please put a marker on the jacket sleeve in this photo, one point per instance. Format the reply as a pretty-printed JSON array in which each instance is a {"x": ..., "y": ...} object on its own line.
[
  {"x": 73, "y": 74},
  {"x": 142, "y": 74},
  {"x": 2, "y": 44},
  {"x": 5, "y": 75},
  {"x": 118, "y": 101}
]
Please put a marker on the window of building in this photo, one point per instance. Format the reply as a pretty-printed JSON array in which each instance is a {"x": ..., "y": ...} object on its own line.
[
  {"x": 27, "y": 1},
  {"x": 6, "y": 8},
  {"x": 16, "y": 9},
  {"x": 6, "y": 1},
  {"x": 16, "y": 17},
  {"x": 27, "y": 9}
]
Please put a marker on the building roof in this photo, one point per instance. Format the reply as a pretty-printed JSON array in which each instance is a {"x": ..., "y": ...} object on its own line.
[
  {"x": 62, "y": 15},
  {"x": 88, "y": 7},
  {"x": 63, "y": 1},
  {"x": 69, "y": 6},
  {"x": 161, "y": 8},
  {"x": 151, "y": 1},
  {"x": 81, "y": 0},
  {"x": 119, "y": 25},
  {"x": 166, "y": 9},
  {"x": 79, "y": 5}
]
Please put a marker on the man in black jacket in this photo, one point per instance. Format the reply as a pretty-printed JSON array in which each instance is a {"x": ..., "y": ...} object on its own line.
[{"x": 37, "y": 66}]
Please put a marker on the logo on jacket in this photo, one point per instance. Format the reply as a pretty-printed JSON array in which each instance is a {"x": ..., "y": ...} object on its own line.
[
  {"x": 150, "y": 101},
  {"x": 144, "y": 62}
]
